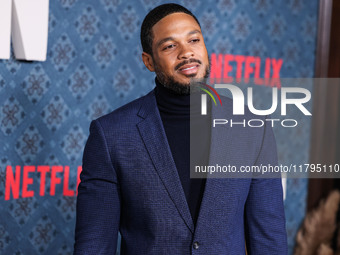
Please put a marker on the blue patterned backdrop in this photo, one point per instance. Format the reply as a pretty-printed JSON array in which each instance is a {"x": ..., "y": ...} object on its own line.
[{"x": 94, "y": 66}]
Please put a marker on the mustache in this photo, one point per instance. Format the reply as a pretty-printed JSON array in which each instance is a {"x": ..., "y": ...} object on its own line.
[{"x": 192, "y": 60}]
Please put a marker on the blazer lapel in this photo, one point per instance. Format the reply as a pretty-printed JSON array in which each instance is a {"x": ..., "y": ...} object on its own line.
[
  {"x": 221, "y": 154},
  {"x": 221, "y": 136},
  {"x": 153, "y": 134}
]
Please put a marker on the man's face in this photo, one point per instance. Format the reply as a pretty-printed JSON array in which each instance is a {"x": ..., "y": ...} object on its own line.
[{"x": 179, "y": 52}]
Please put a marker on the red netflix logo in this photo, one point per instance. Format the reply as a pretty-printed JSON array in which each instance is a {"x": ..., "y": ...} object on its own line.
[
  {"x": 246, "y": 67},
  {"x": 13, "y": 180}
]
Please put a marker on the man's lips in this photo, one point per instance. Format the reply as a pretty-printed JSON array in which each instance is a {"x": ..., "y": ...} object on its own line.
[{"x": 189, "y": 69}]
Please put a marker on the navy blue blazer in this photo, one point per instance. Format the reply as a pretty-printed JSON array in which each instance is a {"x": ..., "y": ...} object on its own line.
[{"x": 130, "y": 184}]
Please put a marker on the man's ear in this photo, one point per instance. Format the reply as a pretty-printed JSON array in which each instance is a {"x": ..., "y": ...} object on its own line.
[{"x": 148, "y": 62}]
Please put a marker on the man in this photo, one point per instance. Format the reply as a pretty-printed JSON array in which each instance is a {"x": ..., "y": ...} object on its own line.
[{"x": 136, "y": 179}]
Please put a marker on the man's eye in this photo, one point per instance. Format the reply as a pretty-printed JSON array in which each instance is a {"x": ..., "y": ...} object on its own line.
[
  {"x": 169, "y": 46},
  {"x": 195, "y": 40}
]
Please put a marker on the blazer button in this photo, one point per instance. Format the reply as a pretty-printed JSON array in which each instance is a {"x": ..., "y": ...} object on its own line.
[{"x": 196, "y": 245}]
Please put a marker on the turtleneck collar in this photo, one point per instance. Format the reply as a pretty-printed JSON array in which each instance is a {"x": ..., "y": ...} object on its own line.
[{"x": 171, "y": 102}]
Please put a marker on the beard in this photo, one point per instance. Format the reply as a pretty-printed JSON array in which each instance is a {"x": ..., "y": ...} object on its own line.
[{"x": 180, "y": 88}]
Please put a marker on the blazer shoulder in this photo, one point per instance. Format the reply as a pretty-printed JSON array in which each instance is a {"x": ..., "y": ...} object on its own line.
[{"x": 128, "y": 113}]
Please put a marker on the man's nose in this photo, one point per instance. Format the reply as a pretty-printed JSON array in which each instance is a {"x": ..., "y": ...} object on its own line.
[{"x": 185, "y": 52}]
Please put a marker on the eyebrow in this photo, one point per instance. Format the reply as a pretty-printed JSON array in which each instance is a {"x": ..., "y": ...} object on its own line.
[{"x": 170, "y": 38}]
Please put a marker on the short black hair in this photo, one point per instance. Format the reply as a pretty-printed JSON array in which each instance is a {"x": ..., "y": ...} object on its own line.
[{"x": 153, "y": 17}]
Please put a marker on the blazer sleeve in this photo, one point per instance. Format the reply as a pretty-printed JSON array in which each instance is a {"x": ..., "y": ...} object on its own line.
[
  {"x": 264, "y": 210},
  {"x": 98, "y": 201}
]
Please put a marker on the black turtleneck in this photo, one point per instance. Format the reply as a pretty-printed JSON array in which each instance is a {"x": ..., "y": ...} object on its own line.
[{"x": 175, "y": 114}]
